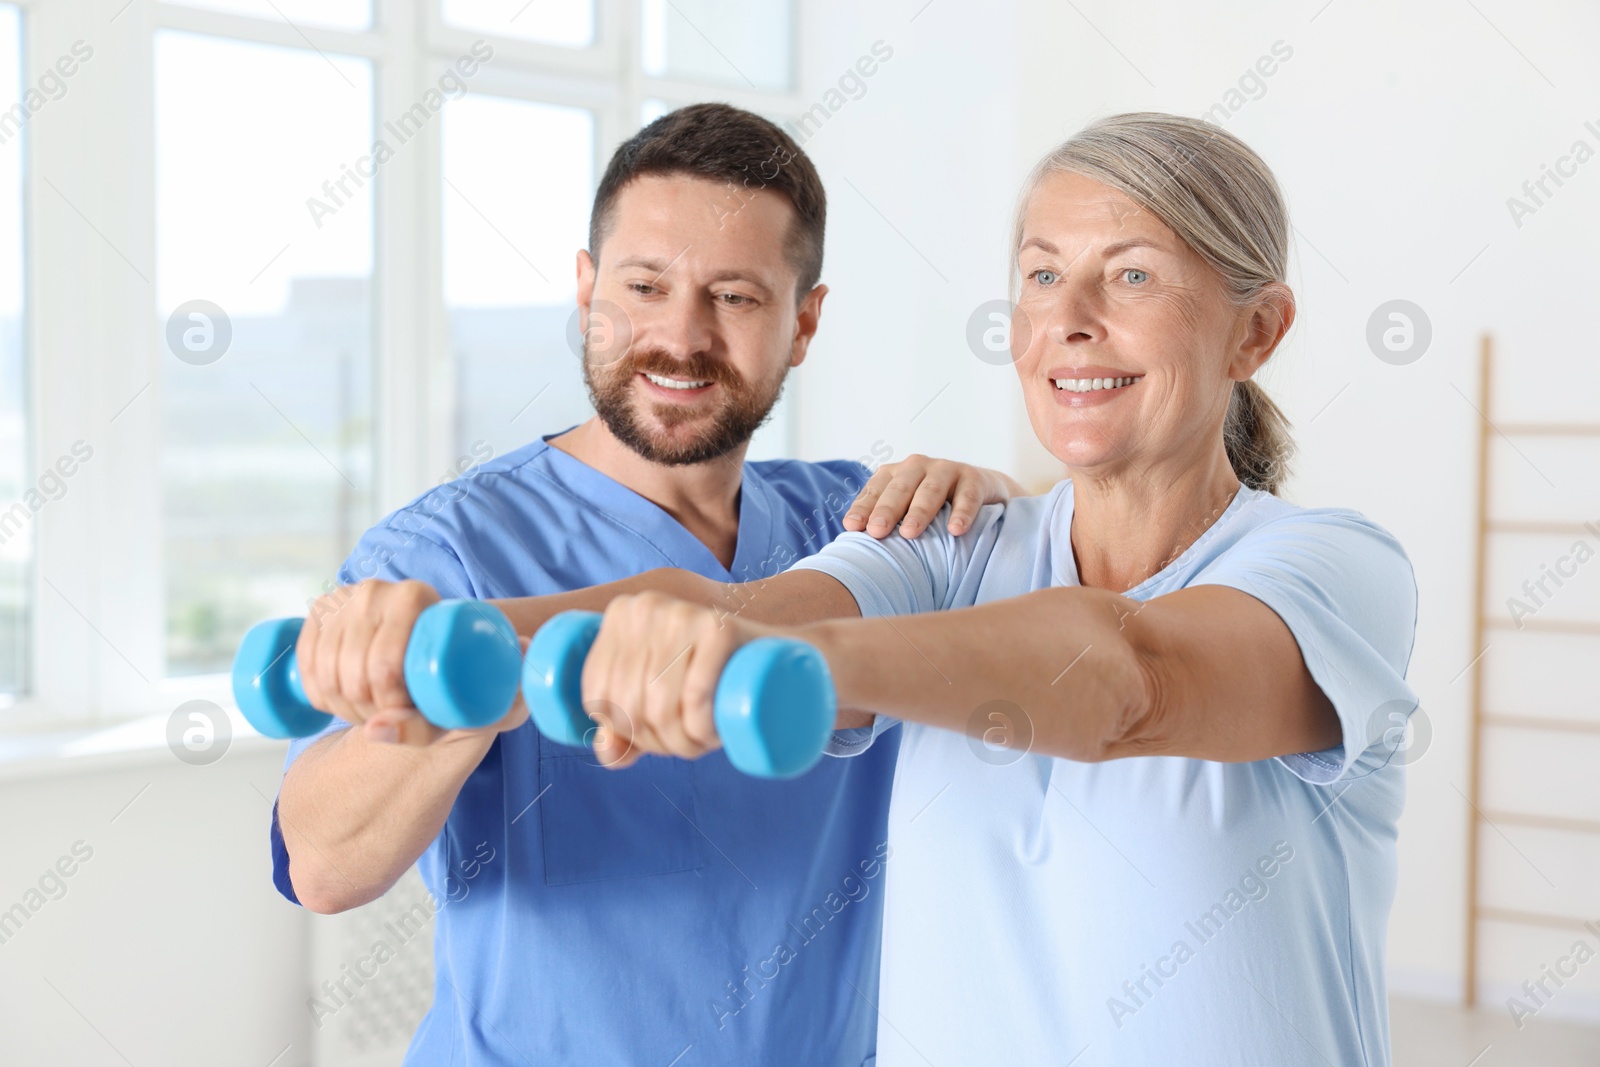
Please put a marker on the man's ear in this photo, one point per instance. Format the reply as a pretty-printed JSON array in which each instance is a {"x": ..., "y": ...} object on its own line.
[
  {"x": 586, "y": 273},
  {"x": 1268, "y": 321},
  {"x": 805, "y": 326}
]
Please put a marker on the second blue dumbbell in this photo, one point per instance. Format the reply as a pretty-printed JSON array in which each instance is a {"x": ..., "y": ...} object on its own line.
[{"x": 774, "y": 706}]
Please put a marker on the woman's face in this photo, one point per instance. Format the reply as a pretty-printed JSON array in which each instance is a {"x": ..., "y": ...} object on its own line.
[{"x": 1125, "y": 344}]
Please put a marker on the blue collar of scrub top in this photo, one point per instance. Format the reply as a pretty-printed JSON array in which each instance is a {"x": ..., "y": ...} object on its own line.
[{"x": 752, "y": 554}]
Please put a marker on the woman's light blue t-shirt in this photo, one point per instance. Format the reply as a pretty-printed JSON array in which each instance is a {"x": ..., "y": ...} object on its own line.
[{"x": 1159, "y": 909}]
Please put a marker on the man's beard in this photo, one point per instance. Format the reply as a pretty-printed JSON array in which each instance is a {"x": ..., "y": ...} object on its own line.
[{"x": 742, "y": 411}]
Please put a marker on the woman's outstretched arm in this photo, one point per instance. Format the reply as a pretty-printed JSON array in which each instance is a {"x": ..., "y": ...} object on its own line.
[{"x": 1208, "y": 673}]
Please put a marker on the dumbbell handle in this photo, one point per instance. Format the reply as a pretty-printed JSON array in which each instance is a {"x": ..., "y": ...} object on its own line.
[
  {"x": 774, "y": 707},
  {"x": 461, "y": 669}
]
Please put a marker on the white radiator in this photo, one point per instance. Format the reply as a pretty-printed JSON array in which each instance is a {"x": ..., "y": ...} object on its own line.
[{"x": 371, "y": 979}]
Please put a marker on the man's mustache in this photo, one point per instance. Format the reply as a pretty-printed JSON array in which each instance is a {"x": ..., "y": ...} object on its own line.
[{"x": 698, "y": 367}]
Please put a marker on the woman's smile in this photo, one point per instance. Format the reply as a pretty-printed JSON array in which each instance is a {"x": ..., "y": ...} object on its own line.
[{"x": 1085, "y": 386}]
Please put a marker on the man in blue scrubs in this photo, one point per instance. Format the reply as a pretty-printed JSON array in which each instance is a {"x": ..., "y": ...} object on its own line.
[{"x": 675, "y": 912}]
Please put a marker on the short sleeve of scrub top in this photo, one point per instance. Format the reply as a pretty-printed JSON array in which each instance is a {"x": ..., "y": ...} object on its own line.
[{"x": 391, "y": 554}]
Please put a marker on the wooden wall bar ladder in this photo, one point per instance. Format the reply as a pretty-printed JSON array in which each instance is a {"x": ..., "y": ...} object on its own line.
[{"x": 1482, "y": 719}]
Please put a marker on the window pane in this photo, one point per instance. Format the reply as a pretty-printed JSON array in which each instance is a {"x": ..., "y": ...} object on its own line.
[
  {"x": 651, "y": 109},
  {"x": 731, "y": 41},
  {"x": 333, "y": 14},
  {"x": 264, "y": 254},
  {"x": 518, "y": 181},
  {"x": 563, "y": 22},
  {"x": 16, "y": 519}
]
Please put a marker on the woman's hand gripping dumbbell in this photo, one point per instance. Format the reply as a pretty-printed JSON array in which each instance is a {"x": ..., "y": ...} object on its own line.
[
  {"x": 664, "y": 676},
  {"x": 391, "y": 658}
]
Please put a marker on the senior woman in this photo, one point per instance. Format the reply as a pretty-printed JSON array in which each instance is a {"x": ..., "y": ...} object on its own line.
[{"x": 1183, "y": 849}]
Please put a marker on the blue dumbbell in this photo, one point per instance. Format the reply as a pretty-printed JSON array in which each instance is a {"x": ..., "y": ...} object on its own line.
[
  {"x": 461, "y": 670},
  {"x": 774, "y": 706}
]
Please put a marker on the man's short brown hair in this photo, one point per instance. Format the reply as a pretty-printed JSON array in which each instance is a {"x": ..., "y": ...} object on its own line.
[{"x": 721, "y": 143}]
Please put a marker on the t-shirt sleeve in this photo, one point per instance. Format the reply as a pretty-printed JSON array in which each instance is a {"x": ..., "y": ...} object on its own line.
[
  {"x": 1346, "y": 590},
  {"x": 908, "y": 576},
  {"x": 905, "y": 576},
  {"x": 392, "y": 554}
]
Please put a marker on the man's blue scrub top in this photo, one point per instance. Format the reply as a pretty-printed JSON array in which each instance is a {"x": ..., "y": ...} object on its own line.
[{"x": 675, "y": 908}]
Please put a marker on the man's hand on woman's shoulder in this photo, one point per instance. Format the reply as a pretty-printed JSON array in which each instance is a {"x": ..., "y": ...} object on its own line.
[{"x": 912, "y": 491}]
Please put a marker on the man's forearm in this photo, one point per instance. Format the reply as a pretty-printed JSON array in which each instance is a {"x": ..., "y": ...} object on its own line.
[
  {"x": 791, "y": 598},
  {"x": 356, "y": 814},
  {"x": 528, "y": 613}
]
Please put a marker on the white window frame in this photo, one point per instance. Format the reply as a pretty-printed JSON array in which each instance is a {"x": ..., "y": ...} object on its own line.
[{"x": 98, "y": 598}]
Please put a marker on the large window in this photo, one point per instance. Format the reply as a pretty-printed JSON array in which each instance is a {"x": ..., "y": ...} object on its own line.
[
  {"x": 264, "y": 266},
  {"x": 16, "y": 518},
  {"x": 518, "y": 177},
  {"x": 563, "y": 22},
  {"x": 309, "y": 259},
  {"x": 730, "y": 41},
  {"x": 338, "y": 14}
]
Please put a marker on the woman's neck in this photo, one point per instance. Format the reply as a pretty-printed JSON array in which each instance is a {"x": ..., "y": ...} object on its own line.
[{"x": 1131, "y": 526}]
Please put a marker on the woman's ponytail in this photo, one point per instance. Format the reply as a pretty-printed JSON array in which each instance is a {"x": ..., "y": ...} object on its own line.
[{"x": 1256, "y": 434}]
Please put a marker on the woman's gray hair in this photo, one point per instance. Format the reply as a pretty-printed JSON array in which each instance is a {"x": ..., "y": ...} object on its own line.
[{"x": 1220, "y": 198}]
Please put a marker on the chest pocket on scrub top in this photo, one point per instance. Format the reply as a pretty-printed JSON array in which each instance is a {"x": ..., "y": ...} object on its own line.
[{"x": 599, "y": 824}]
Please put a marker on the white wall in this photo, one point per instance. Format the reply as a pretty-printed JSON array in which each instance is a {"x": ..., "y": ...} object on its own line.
[
  {"x": 920, "y": 172},
  {"x": 168, "y": 945}
]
